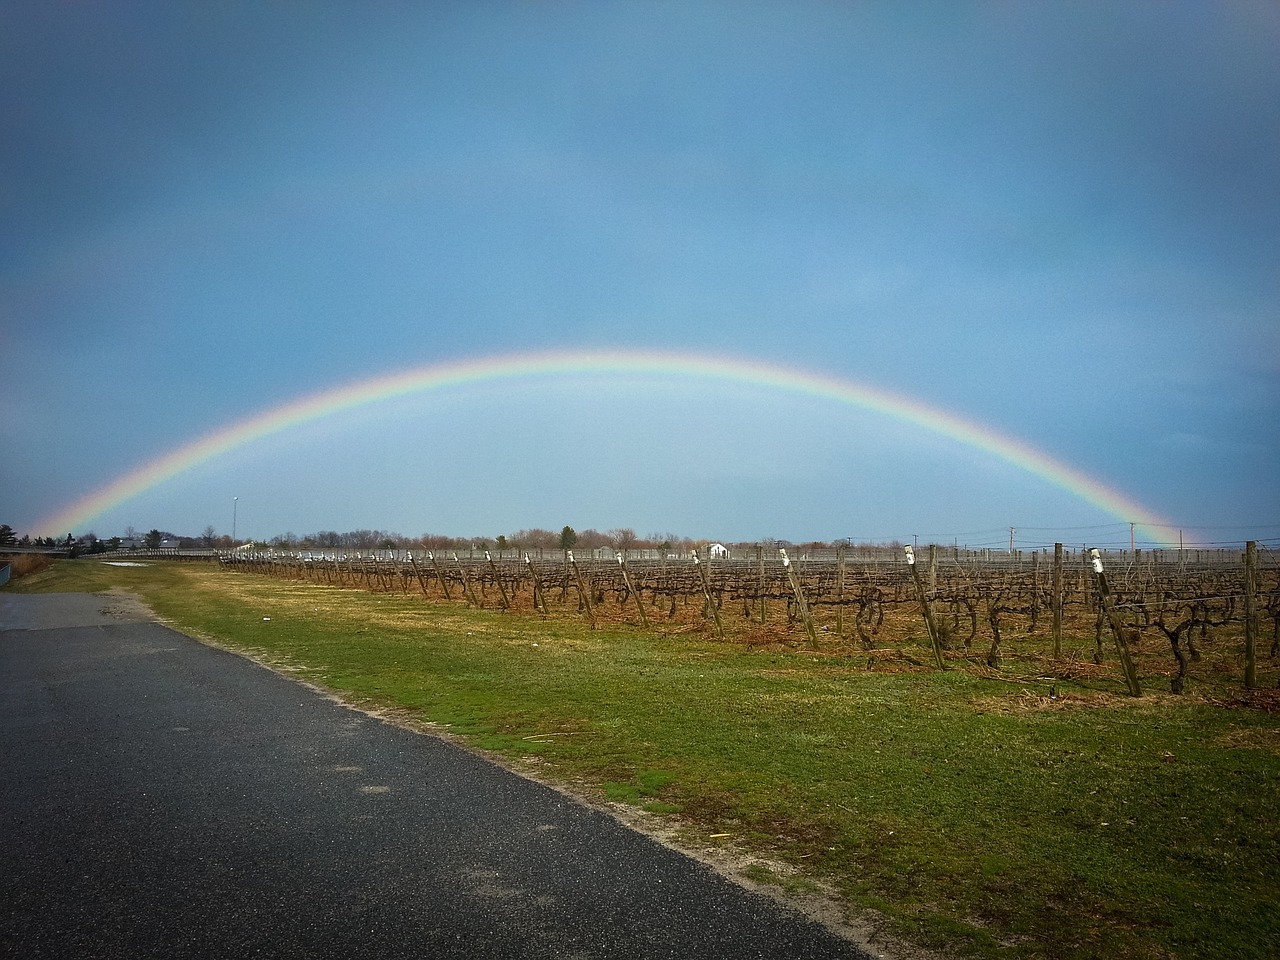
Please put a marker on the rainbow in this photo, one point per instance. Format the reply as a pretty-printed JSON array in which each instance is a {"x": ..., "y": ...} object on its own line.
[{"x": 566, "y": 363}]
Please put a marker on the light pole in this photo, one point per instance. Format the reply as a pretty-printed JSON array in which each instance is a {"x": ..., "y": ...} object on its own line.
[{"x": 235, "y": 506}]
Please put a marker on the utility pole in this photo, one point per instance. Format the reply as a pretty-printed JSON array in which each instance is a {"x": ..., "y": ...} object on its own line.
[
  {"x": 235, "y": 507},
  {"x": 1011, "y": 541},
  {"x": 1131, "y": 544}
]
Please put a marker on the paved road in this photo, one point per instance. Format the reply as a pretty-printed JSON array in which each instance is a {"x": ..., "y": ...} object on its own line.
[{"x": 161, "y": 798}]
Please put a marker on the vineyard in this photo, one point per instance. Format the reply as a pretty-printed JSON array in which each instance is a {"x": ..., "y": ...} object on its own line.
[{"x": 1160, "y": 619}]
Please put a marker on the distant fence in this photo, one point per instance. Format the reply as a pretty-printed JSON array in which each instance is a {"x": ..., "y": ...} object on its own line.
[{"x": 160, "y": 553}]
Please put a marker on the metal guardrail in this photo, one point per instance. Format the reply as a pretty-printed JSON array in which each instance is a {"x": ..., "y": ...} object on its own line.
[
  {"x": 143, "y": 553},
  {"x": 12, "y": 548}
]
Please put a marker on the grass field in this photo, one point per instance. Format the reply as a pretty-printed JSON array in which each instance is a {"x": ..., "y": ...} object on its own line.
[{"x": 976, "y": 813}]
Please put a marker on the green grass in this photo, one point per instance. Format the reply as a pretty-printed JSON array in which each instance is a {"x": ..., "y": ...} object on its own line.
[{"x": 974, "y": 813}]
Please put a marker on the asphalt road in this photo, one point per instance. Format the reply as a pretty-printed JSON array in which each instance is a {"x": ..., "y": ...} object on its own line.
[{"x": 162, "y": 798}]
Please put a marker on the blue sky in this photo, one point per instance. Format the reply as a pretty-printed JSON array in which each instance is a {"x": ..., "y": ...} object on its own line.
[{"x": 1060, "y": 220}]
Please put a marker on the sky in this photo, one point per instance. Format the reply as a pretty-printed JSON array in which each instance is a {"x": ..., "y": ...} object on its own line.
[{"x": 1059, "y": 222}]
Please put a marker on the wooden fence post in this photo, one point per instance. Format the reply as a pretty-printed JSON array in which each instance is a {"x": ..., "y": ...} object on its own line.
[
  {"x": 626, "y": 582},
  {"x": 932, "y": 584},
  {"x": 1250, "y": 614},
  {"x": 583, "y": 594},
  {"x": 502, "y": 591},
  {"x": 435, "y": 565},
  {"x": 840, "y": 593},
  {"x": 1056, "y": 602},
  {"x": 926, "y": 609},
  {"x": 539, "y": 600},
  {"x": 801, "y": 603},
  {"x": 706, "y": 594},
  {"x": 466, "y": 584},
  {"x": 1117, "y": 629},
  {"x": 422, "y": 582},
  {"x": 1035, "y": 591},
  {"x": 373, "y": 567},
  {"x": 760, "y": 558}
]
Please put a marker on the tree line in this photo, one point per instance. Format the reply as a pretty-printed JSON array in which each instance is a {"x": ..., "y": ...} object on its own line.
[
  {"x": 525, "y": 540},
  {"x": 536, "y": 538},
  {"x": 91, "y": 543}
]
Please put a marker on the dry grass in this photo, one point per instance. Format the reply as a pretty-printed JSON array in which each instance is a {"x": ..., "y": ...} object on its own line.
[{"x": 25, "y": 564}]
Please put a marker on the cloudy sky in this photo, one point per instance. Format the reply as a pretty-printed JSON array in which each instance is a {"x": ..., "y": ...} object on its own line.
[{"x": 1058, "y": 221}]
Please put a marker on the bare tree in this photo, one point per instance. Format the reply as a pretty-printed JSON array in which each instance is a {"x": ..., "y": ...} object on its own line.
[
  {"x": 591, "y": 539},
  {"x": 623, "y": 539},
  {"x": 437, "y": 541},
  {"x": 535, "y": 539}
]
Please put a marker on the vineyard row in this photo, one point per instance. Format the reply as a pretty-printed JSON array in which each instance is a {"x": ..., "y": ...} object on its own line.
[{"x": 970, "y": 609}]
